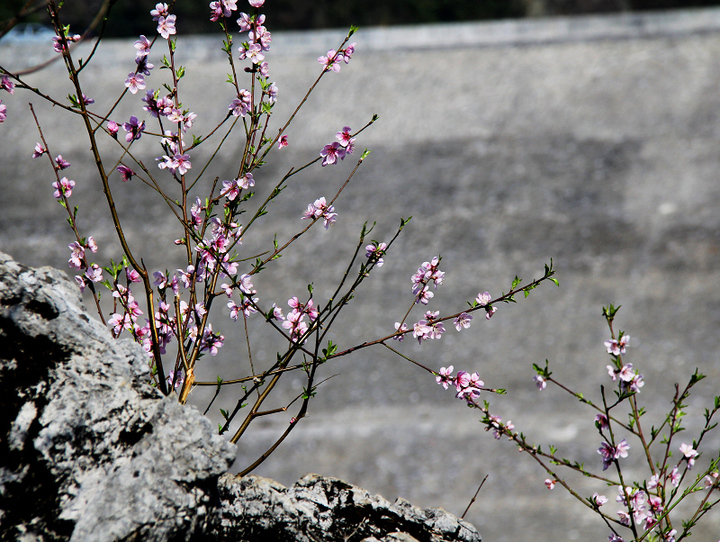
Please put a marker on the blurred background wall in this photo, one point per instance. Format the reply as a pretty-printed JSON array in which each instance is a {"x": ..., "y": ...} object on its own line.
[{"x": 592, "y": 140}]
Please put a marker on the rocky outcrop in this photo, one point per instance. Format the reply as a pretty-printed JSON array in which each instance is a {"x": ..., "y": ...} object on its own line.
[
  {"x": 92, "y": 452},
  {"x": 327, "y": 509}
]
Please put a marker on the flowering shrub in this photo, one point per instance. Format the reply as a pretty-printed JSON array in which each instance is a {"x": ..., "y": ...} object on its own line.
[
  {"x": 645, "y": 506},
  {"x": 171, "y": 313}
]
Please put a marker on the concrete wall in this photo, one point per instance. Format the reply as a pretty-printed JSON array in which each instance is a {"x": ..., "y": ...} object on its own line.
[{"x": 593, "y": 141}]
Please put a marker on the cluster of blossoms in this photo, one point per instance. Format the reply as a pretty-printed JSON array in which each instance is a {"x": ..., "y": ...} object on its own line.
[
  {"x": 646, "y": 509},
  {"x": 426, "y": 274},
  {"x": 190, "y": 317},
  {"x": 295, "y": 320},
  {"x": 428, "y": 328},
  {"x": 214, "y": 251},
  {"x": 630, "y": 381},
  {"x": 259, "y": 39},
  {"x": 332, "y": 60},
  {"x": 344, "y": 145},
  {"x": 92, "y": 272},
  {"x": 131, "y": 309},
  {"x": 165, "y": 21},
  {"x": 247, "y": 302},
  {"x": 231, "y": 189},
  {"x": 375, "y": 253},
  {"x": 254, "y": 49},
  {"x": 483, "y": 300},
  {"x": 7, "y": 85},
  {"x": 320, "y": 209},
  {"x": 467, "y": 386},
  {"x": 611, "y": 453},
  {"x": 58, "y": 43}
]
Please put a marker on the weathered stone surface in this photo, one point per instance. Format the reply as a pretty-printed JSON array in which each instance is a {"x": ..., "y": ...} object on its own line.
[
  {"x": 92, "y": 452},
  {"x": 318, "y": 508}
]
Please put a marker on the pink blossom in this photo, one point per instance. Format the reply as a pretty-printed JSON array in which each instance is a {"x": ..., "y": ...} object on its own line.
[
  {"x": 119, "y": 321},
  {"x": 39, "y": 150},
  {"x": 253, "y": 53},
  {"x": 77, "y": 255},
  {"x": 179, "y": 162},
  {"x": 143, "y": 47},
  {"x": 176, "y": 379},
  {"x": 622, "y": 449},
  {"x": 94, "y": 273},
  {"x": 211, "y": 341},
  {"x": 626, "y": 373},
  {"x": 345, "y": 140},
  {"x": 135, "y": 82},
  {"x": 601, "y": 421},
  {"x": 222, "y": 8},
  {"x": 261, "y": 36},
  {"x": 125, "y": 172},
  {"x": 375, "y": 253},
  {"x": 422, "y": 331},
  {"x": 444, "y": 377},
  {"x": 63, "y": 188},
  {"x": 550, "y": 484},
  {"x": 143, "y": 66},
  {"x": 244, "y": 22},
  {"x": 160, "y": 279},
  {"x": 483, "y": 299},
  {"x": 240, "y": 106},
  {"x": 320, "y": 209},
  {"x": 277, "y": 313},
  {"x": 134, "y": 129},
  {"x": 256, "y": 3},
  {"x": 166, "y": 26},
  {"x": 132, "y": 275},
  {"x": 348, "y": 52},
  {"x": 161, "y": 10},
  {"x": 617, "y": 347},
  {"x": 675, "y": 477},
  {"x": 330, "y": 153},
  {"x": 91, "y": 244},
  {"x": 468, "y": 386},
  {"x": 401, "y": 328},
  {"x": 599, "y": 500},
  {"x": 462, "y": 321},
  {"x": 332, "y": 61},
  {"x": 246, "y": 181},
  {"x": 245, "y": 284},
  {"x": 113, "y": 128},
  {"x": 272, "y": 92},
  {"x": 61, "y": 163},
  {"x": 230, "y": 189},
  {"x": 540, "y": 382},
  {"x": 7, "y": 84},
  {"x": 3, "y": 111},
  {"x": 283, "y": 142},
  {"x": 264, "y": 69},
  {"x": 689, "y": 453},
  {"x": 610, "y": 453}
]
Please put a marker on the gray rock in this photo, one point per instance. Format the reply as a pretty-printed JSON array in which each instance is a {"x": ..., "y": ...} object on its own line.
[
  {"x": 317, "y": 508},
  {"x": 93, "y": 452}
]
